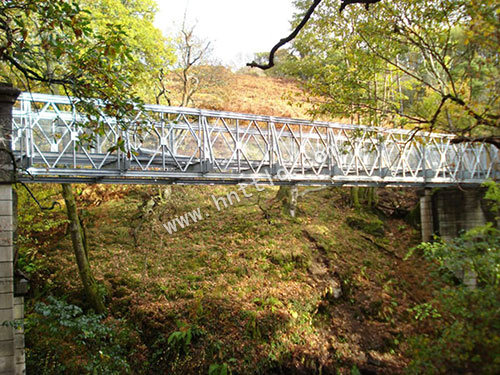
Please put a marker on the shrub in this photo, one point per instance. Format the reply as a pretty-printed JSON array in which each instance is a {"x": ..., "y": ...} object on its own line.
[
  {"x": 465, "y": 333},
  {"x": 62, "y": 339}
]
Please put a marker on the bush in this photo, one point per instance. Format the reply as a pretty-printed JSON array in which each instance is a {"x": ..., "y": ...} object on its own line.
[
  {"x": 62, "y": 339},
  {"x": 465, "y": 330}
]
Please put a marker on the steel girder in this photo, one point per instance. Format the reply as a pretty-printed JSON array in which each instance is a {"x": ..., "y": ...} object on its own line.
[{"x": 191, "y": 146}]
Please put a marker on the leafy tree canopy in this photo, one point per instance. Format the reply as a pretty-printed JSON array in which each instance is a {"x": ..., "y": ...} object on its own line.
[
  {"x": 431, "y": 64},
  {"x": 102, "y": 49},
  {"x": 151, "y": 51}
]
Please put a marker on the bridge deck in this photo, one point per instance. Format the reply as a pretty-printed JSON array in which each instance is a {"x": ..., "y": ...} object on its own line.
[{"x": 191, "y": 146}]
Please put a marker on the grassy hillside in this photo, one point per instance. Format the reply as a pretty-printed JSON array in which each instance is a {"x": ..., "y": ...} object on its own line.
[
  {"x": 252, "y": 287},
  {"x": 248, "y": 93}
]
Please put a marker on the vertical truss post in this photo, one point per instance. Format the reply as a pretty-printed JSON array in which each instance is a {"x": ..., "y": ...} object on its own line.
[
  {"x": 119, "y": 163},
  {"x": 99, "y": 139},
  {"x": 73, "y": 139},
  {"x": 356, "y": 154},
  {"x": 123, "y": 159},
  {"x": 171, "y": 130},
  {"x": 301, "y": 150},
  {"x": 238, "y": 156},
  {"x": 163, "y": 143},
  {"x": 206, "y": 156},
  {"x": 26, "y": 143},
  {"x": 202, "y": 147},
  {"x": 380, "y": 150},
  {"x": 329, "y": 150},
  {"x": 271, "y": 140}
]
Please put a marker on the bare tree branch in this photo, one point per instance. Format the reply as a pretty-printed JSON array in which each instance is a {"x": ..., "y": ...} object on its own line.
[
  {"x": 163, "y": 91},
  {"x": 193, "y": 51},
  {"x": 491, "y": 140},
  {"x": 349, "y": 2},
  {"x": 300, "y": 26},
  {"x": 289, "y": 38}
]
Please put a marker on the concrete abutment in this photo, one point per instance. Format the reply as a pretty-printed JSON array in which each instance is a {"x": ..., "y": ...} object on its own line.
[
  {"x": 12, "y": 359},
  {"x": 447, "y": 212}
]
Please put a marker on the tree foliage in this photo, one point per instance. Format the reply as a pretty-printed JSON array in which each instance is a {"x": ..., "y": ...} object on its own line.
[
  {"x": 465, "y": 333},
  {"x": 105, "y": 49},
  {"x": 51, "y": 43},
  {"x": 430, "y": 64},
  {"x": 150, "y": 50}
]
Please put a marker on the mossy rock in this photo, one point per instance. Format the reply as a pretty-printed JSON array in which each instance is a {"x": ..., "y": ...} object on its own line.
[{"x": 371, "y": 225}]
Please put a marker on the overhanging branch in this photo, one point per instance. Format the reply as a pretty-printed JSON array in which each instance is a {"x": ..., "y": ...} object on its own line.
[
  {"x": 491, "y": 140},
  {"x": 349, "y": 2},
  {"x": 300, "y": 26},
  {"x": 289, "y": 38}
]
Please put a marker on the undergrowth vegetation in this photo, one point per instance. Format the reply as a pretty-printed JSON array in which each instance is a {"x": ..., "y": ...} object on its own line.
[
  {"x": 64, "y": 339},
  {"x": 463, "y": 319},
  {"x": 249, "y": 289}
]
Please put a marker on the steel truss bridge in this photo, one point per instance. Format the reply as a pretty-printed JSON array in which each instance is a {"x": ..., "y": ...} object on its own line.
[{"x": 191, "y": 146}]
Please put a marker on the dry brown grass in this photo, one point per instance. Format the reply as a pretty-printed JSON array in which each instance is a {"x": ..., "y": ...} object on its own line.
[{"x": 251, "y": 93}]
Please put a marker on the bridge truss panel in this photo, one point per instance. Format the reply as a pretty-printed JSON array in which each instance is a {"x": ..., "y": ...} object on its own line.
[{"x": 182, "y": 145}]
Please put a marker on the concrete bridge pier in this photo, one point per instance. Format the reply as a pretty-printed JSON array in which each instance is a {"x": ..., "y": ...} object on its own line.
[
  {"x": 448, "y": 212},
  {"x": 426, "y": 216},
  {"x": 12, "y": 359},
  {"x": 457, "y": 210}
]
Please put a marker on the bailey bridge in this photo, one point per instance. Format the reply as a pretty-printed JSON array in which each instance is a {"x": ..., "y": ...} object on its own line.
[
  {"x": 190, "y": 146},
  {"x": 42, "y": 141}
]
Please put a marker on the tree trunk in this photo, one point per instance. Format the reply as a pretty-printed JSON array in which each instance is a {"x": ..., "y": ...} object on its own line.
[
  {"x": 364, "y": 195},
  {"x": 282, "y": 194},
  {"x": 355, "y": 197},
  {"x": 89, "y": 284},
  {"x": 288, "y": 195},
  {"x": 371, "y": 196}
]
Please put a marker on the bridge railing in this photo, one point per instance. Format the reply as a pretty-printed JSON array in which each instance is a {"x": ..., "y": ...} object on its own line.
[{"x": 197, "y": 146}]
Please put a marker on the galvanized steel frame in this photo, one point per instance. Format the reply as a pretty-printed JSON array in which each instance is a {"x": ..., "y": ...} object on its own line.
[{"x": 191, "y": 146}]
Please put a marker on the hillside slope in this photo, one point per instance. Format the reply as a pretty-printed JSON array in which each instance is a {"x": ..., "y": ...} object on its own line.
[
  {"x": 256, "y": 289},
  {"x": 248, "y": 93}
]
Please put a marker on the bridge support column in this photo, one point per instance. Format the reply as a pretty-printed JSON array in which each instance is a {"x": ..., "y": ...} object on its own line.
[
  {"x": 294, "y": 194},
  {"x": 426, "y": 216},
  {"x": 458, "y": 210},
  {"x": 11, "y": 339},
  {"x": 452, "y": 211}
]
